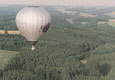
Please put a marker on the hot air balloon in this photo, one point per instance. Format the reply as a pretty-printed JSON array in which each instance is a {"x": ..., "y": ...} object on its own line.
[{"x": 32, "y": 22}]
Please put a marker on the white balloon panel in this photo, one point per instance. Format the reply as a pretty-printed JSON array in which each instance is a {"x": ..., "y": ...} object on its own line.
[{"x": 31, "y": 21}]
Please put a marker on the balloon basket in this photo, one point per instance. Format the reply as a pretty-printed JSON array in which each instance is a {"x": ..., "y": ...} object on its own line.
[{"x": 33, "y": 48}]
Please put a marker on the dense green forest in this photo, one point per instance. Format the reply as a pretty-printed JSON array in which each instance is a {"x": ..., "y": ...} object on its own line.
[{"x": 68, "y": 51}]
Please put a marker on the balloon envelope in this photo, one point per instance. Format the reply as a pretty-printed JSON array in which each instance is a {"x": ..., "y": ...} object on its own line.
[{"x": 32, "y": 22}]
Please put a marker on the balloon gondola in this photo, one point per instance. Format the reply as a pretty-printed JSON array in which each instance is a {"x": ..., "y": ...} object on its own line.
[{"x": 32, "y": 22}]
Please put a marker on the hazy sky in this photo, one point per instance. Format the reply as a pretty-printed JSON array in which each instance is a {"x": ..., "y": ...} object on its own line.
[{"x": 62, "y": 2}]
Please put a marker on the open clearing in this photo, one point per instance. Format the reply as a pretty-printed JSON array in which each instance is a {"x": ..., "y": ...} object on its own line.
[
  {"x": 110, "y": 23},
  {"x": 110, "y": 14},
  {"x": 87, "y": 15},
  {"x": 5, "y": 56},
  {"x": 9, "y": 32}
]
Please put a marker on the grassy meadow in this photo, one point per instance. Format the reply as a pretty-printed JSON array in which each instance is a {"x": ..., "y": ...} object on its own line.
[
  {"x": 109, "y": 23},
  {"x": 5, "y": 56}
]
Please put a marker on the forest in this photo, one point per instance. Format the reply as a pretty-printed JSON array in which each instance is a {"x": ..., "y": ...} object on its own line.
[{"x": 82, "y": 50}]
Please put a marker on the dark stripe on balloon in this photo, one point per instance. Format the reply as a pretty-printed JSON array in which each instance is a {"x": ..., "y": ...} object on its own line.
[{"x": 46, "y": 27}]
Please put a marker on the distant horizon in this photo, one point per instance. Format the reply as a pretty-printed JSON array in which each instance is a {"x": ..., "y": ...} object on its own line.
[
  {"x": 57, "y": 5},
  {"x": 89, "y": 3}
]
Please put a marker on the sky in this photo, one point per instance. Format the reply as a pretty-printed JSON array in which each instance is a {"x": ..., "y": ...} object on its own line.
[{"x": 62, "y": 2}]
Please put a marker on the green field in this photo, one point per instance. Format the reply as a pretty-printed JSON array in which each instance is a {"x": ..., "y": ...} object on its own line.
[
  {"x": 108, "y": 59},
  {"x": 110, "y": 14},
  {"x": 84, "y": 23},
  {"x": 5, "y": 56},
  {"x": 110, "y": 23},
  {"x": 87, "y": 15}
]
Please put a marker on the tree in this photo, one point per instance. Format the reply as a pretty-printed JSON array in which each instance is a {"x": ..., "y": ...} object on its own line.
[
  {"x": 104, "y": 69},
  {"x": 1, "y": 73}
]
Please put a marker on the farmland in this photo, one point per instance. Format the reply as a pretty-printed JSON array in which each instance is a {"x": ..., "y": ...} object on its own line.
[
  {"x": 5, "y": 56},
  {"x": 87, "y": 15},
  {"x": 9, "y": 32},
  {"x": 112, "y": 14},
  {"x": 109, "y": 23}
]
